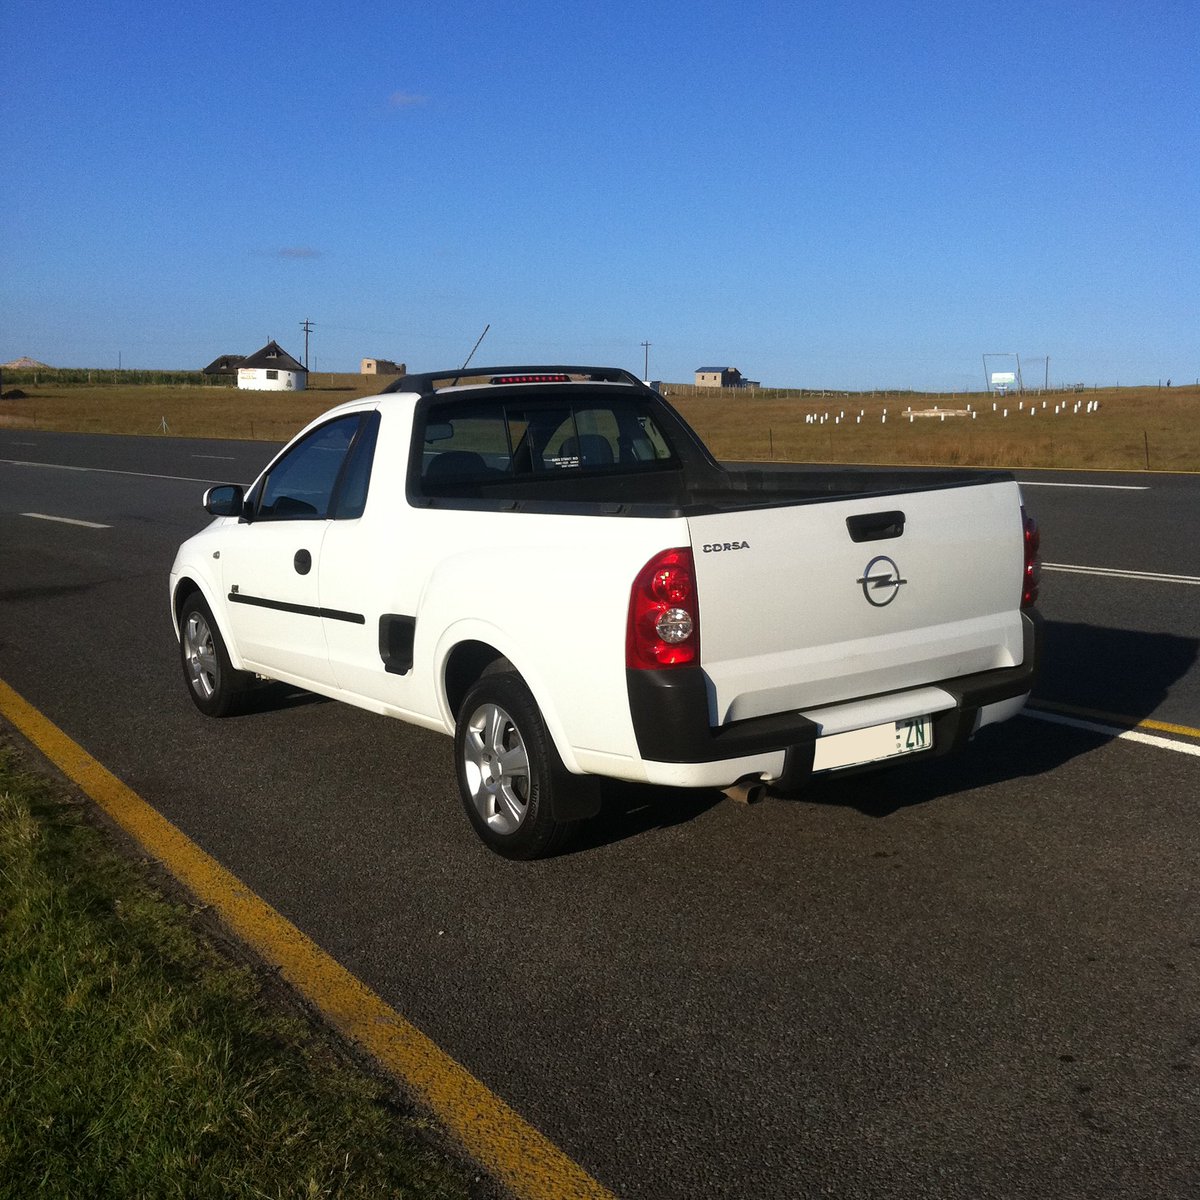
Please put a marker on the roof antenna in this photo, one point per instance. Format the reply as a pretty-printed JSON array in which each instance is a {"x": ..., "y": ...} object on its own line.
[{"x": 475, "y": 347}]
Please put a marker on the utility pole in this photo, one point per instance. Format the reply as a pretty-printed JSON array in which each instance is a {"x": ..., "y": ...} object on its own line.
[
  {"x": 646, "y": 366},
  {"x": 307, "y": 326}
]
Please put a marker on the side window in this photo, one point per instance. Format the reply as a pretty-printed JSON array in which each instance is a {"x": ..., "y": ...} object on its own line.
[
  {"x": 301, "y": 484},
  {"x": 352, "y": 494}
]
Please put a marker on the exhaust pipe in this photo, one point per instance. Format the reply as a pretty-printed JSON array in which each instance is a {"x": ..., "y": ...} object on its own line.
[{"x": 746, "y": 791}]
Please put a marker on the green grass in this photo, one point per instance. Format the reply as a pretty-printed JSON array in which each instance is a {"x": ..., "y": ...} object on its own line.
[
  {"x": 1135, "y": 428},
  {"x": 135, "y": 1060}
]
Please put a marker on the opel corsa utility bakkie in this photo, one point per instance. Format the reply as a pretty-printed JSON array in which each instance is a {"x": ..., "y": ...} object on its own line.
[{"x": 547, "y": 564}]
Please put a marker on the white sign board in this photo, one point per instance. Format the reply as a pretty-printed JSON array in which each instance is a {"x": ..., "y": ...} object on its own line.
[{"x": 1000, "y": 377}]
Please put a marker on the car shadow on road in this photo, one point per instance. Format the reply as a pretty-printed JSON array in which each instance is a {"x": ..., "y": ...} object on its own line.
[
  {"x": 277, "y": 697},
  {"x": 1113, "y": 671},
  {"x": 1107, "y": 677},
  {"x": 1119, "y": 672},
  {"x": 631, "y": 809}
]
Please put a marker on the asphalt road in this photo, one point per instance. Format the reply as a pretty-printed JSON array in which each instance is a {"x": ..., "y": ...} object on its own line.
[{"x": 972, "y": 978}]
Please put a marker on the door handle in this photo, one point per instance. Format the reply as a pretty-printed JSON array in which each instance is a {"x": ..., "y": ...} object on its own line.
[
  {"x": 302, "y": 562},
  {"x": 875, "y": 527}
]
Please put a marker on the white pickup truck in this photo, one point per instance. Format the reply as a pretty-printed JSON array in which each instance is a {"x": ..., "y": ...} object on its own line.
[{"x": 548, "y": 564}]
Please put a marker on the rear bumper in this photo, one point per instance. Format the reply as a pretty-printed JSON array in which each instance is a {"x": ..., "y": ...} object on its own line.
[{"x": 670, "y": 715}]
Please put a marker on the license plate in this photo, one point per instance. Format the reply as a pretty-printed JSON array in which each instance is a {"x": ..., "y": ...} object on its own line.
[{"x": 873, "y": 744}]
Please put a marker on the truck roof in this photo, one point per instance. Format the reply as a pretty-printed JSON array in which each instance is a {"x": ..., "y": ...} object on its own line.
[{"x": 428, "y": 382}]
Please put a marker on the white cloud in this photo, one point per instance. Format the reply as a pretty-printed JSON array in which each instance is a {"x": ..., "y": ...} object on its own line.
[{"x": 406, "y": 100}]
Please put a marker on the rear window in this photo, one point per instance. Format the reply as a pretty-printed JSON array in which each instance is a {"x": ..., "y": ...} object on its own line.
[{"x": 468, "y": 442}]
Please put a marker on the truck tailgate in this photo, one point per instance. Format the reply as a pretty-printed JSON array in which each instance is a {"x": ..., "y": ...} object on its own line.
[{"x": 810, "y": 604}]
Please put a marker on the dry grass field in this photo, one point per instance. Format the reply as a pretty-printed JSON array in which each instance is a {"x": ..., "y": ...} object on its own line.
[
  {"x": 204, "y": 412},
  {"x": 1113, "y": 428}
]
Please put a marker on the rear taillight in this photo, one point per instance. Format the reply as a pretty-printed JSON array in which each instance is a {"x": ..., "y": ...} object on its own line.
[
  {"x": 664, "y": 616},
  {"x": 1033, "y": 571}
]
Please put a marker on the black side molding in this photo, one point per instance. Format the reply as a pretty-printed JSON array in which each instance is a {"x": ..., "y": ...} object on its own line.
[{"x": 303, "y": 610}]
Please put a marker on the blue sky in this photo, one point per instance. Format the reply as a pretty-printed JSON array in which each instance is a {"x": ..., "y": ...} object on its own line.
[{"x": 820, "y": 194}]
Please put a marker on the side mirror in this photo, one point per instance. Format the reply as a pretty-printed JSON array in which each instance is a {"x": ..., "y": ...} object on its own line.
[{"x": 225, "y": 500}]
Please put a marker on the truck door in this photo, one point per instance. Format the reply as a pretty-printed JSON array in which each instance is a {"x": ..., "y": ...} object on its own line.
[
  {"x": 362, "y": 561},
  {"x": 269, "y": 570}
]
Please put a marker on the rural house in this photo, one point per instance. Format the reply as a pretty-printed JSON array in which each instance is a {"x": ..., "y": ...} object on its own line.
[
  {"x": 272, "y": 369},
  {"x": 719, "y": 377}
]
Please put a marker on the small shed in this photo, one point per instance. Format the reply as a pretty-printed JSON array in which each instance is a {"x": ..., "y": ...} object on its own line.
[
  {"x": 382, "y": 366},
  {"x": 719, "y": 377},
  {"x": 272, "y": 369}
]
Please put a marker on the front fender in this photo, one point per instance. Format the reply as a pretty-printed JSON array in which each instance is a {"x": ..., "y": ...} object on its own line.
[{"x": 187, "y": 578}]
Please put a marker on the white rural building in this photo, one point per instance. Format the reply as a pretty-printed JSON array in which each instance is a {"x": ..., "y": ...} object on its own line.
[{"x": 272, "y": 369}]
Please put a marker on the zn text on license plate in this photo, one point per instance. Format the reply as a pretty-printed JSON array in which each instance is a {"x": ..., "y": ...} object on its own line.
[{"x": 913, "y": 734}]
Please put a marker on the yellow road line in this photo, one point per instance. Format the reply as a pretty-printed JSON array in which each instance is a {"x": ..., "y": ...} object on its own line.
[
  {"x": 1116, "y": 719},
  {"x": 496, "y": 1136}
]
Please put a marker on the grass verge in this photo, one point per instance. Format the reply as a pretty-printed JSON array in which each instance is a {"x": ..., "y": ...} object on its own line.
[{"x": 137, "y": 1060}]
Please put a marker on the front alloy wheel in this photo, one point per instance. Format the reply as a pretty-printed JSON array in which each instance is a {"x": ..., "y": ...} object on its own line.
[
  {"x": 216, "y": 686},
  {"x": 200, "y": 656}
]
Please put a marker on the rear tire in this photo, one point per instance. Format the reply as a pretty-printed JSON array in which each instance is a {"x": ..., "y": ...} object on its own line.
[
  {"x": 215, "y": 686},
  {"x": 508, "y": 769}
]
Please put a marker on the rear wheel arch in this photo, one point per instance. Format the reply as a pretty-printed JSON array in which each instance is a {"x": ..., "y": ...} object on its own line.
[
  {"x": 576, "y": 796},
  {"x": 514, "y": 788},
  {"x": 468, "y": 662}
]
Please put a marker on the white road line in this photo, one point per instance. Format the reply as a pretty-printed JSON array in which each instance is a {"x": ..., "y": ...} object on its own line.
[
  {"x": 67, "y": 521},
  {"x": 217, "y": 457},
  {"x": 1107, "y": 487},
  {"x": 20, "y": 462},
  {"x": 1116, "y": 573},
  {"x": 1114, "y": 731}
]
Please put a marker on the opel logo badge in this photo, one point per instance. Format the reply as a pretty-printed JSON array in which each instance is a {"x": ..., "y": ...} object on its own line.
[{"x": 881, "y": 581}]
